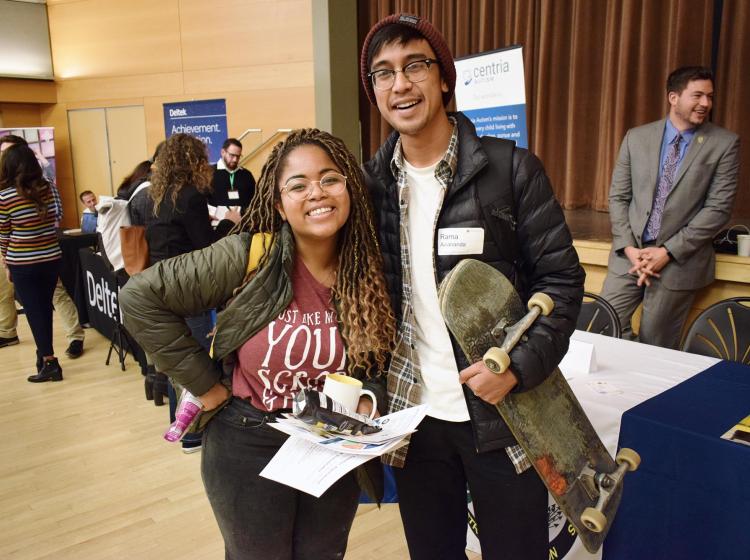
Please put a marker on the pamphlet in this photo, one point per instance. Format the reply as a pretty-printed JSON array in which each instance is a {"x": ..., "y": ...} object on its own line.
[
  {"x": 312, "y": 459},
  {"x": 740, "y": 432}
]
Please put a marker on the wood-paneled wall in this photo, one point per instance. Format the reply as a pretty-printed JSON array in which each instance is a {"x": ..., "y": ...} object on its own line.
[{"x": 256, "y": 54}]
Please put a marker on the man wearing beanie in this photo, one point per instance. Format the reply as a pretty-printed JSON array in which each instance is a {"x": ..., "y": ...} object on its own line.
[{"x": 434, "y": 179}]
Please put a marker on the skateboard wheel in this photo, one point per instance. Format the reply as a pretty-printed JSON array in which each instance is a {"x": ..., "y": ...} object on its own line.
[
  {"x": 628, "y": 457},
  {"x": 496, "y": 359},
  {"x": 594, "y": 520},
  {"x": 543, "y": 302}
]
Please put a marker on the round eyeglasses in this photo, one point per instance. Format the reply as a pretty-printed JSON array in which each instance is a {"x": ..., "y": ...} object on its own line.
[
  {"x": 415, "y": 72},
  {"x": 300, "y": 188}
]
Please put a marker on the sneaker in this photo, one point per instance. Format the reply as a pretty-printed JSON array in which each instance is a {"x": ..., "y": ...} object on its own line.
[
  {"x": 75, "y": 349},
  {"x": 8, "y": 341},
  {"x": 191, "y": 446},
  {"x": 51, "y": 371}
]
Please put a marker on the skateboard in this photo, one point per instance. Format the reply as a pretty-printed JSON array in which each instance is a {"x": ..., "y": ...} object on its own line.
[{"x": 487, "y": 318}]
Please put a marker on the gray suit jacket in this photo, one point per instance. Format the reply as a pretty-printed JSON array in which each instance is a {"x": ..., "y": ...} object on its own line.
[{"x": 697, "y": 207}]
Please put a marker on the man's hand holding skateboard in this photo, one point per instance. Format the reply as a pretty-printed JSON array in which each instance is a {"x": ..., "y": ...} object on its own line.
[{"x": 489, "y": 386}]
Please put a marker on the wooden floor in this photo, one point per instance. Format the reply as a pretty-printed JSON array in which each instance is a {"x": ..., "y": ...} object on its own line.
[{"x": 85, "y": 473}]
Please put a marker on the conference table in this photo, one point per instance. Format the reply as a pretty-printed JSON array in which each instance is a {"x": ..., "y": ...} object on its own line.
[{"x": 687, "y": 498}]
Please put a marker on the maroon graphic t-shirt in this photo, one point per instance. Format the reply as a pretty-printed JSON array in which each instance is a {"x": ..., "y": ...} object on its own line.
[{"x": 295, "y": 351}]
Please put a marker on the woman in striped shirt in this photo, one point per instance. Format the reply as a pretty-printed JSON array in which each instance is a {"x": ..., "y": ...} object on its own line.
[{"x": 29, "y": 212}]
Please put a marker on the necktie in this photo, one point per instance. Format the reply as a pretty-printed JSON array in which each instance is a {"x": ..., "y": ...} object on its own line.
[{"x": 665, "y": 185}]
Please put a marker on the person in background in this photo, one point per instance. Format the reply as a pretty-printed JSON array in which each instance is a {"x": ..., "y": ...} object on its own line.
[
  {"x": 88, "y": 219},
  {"x": 61, "y": 301},
  {"x": 30, "y": 209},
  {"x": 429, "y": 177},
  {"x": 672, "y": 191},
  {"x": 231, "y": 185},
  {"x": 321, "y": 273},
  {"x": 8, "y": 312},
  {"x": 137, "y": 177},
  {"x": 139, "y": 203}
]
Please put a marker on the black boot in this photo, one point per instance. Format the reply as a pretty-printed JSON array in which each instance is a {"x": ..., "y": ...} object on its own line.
[
  {"x": 51, "y": 371},
  {"x": 161, "y": 384}
]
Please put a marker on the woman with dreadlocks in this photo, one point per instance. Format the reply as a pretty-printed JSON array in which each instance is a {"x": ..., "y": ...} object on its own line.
[{"x": 315, "y": 304}]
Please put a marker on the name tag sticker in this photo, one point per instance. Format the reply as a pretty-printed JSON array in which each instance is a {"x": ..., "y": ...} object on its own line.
[
  {"x": 460, "y": 241},
  {"x": 234, "y": 195}
]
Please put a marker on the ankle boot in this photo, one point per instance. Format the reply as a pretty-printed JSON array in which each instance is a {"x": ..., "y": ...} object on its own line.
[
  {"x": 51, "y": 371},
  {"x": 148, "y": 384},
  {"x": 161, "y": 388}
]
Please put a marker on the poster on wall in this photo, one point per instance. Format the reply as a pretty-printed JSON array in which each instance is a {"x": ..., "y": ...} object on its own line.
[
  {"x": 42, "y": 141},
  {"x": 206, "y": 120},
  {"x": 491, "y": 91}
]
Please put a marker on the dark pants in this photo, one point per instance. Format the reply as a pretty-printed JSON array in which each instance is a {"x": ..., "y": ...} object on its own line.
[
  {"x": 35, "y": 284},
  {"x": 261, "y": 519},
  {"x": 510, "y": 509}
]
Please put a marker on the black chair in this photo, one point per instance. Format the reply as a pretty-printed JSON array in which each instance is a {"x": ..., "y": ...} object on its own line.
[
  {"x": 722, "y": 331},
  {"x": 598, "y": 316}
]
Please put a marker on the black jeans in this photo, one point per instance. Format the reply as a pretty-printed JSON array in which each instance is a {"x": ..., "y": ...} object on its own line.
[
  {"x": 35, "y": 284},
  {"x": 261, "y": 519},
  {"x": 510, "y": 509}
]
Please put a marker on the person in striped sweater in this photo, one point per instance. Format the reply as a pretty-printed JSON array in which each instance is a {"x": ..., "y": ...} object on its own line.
[{"x": 29, "y": 210}]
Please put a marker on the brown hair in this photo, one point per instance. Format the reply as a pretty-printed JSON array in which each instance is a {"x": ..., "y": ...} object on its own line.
[
  {"x": 368, "y": 325},
  {"x": 182, "y": 161},
  {"x": 19, "y": 168}
]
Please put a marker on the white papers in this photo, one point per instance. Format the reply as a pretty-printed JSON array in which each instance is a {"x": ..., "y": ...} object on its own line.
[
  {"x": 218, "y": 213},
  {"x": 580, "y": 359},
  {"x": 309, "y": 467},
  {"x": 311, "y": 460}
]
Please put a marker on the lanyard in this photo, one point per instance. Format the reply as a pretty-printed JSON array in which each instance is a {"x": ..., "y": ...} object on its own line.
[{"x": 231, "y": 181}]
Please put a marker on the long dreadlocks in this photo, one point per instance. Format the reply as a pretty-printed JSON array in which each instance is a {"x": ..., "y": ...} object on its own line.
[{"x": 365, "y": 315}]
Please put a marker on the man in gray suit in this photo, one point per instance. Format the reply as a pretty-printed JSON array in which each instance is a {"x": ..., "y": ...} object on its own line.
[{"x": 672, "y": 190}]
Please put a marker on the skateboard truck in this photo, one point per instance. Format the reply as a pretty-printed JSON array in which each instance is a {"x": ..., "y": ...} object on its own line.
[
  {"x": 497, "y": 359},
  {"x": 603, "y": 485}
]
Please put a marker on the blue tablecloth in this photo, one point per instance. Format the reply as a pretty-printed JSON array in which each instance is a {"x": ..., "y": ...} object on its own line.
[{"x": 690, "y": 499}]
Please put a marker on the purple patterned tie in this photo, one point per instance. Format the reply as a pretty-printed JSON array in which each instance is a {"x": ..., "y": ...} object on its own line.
[{"x": 665, "y": 185}]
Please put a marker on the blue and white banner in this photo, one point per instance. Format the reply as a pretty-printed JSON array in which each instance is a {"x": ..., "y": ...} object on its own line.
[
  {"x": 206, "y": 120},
  {"x": 491, "y": 91}
]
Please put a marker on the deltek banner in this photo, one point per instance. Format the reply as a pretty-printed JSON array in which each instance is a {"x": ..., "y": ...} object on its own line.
[
  {"x": 103, "y": 303},
  {"x": 491, "y": 91},
  {"x": 206, "y": 120}
]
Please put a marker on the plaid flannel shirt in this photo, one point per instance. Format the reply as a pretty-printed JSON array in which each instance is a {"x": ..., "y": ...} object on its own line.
[{"x": 404, "y": 376}]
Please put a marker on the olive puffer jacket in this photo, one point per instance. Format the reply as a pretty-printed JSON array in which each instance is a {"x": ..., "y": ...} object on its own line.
[
  {"x": 535, "y": 252},
  {"x": 155, "y": 302}
]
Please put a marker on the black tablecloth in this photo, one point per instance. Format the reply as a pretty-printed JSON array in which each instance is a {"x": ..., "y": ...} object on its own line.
[
  {"x": 70, "y": 272},
  {"x": 101, "y": 296}
]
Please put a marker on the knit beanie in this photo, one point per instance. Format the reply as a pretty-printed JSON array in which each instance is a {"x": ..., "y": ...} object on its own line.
[{"x": 430, "y": 34}]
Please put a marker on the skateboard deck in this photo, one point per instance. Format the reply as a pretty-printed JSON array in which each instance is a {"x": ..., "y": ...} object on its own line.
[{"x": 479, "y": 306}]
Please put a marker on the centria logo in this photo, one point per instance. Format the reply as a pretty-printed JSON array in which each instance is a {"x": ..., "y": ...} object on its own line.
[{"x": 467, "y": 77}]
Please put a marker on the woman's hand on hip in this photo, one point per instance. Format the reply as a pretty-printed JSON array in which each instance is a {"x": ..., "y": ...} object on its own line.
[{"x": 215, "y": 396}]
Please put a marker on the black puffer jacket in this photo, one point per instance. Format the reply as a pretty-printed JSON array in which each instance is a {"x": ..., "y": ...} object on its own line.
[{"x": 538, "y": 257}]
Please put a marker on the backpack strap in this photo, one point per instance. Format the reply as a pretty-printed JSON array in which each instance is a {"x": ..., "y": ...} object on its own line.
[{"x": 258, "y": 245}]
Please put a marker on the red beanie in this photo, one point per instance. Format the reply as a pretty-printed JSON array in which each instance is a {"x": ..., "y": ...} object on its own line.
[{"x": 430, "y": 34}]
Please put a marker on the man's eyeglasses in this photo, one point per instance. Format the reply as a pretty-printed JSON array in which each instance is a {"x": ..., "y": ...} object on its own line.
[
  {"x": 416, "y": 71},
  {"x": 299, "y": 188}
]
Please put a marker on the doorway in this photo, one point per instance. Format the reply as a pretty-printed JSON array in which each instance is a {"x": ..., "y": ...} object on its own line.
[{"x": 106, "y": 144}]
